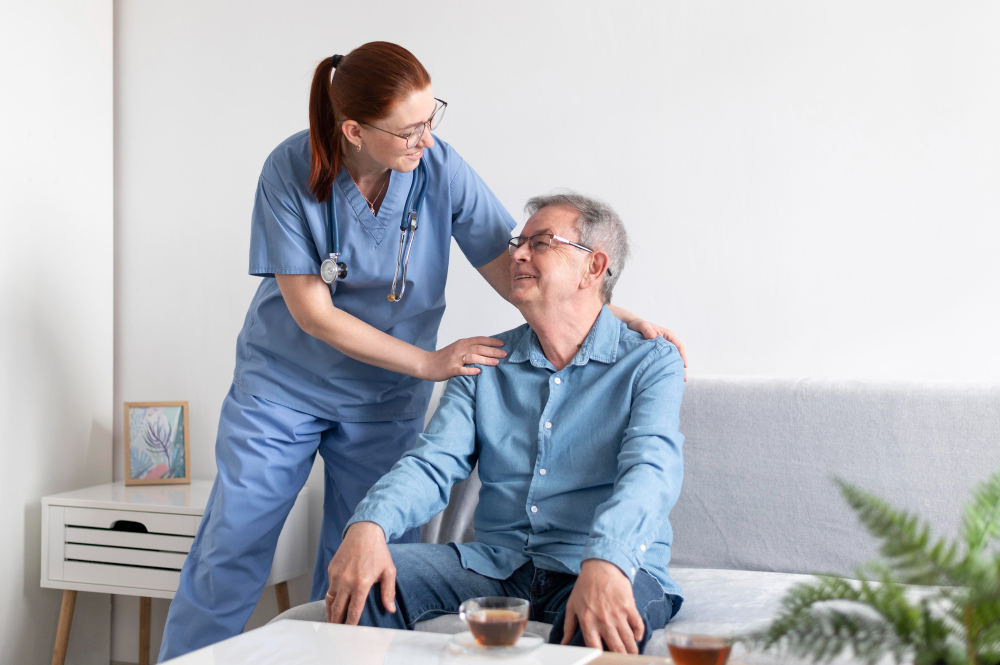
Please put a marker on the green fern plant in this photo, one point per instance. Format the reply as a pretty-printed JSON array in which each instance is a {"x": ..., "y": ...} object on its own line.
[{"x": 955, "y": 621}]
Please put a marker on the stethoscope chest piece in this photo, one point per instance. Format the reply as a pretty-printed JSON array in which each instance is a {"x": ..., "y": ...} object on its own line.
[{"x": 331, "y": 270}]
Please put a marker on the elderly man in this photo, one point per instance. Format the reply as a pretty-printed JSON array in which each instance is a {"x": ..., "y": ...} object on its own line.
[{"x": 576, "y": 436}]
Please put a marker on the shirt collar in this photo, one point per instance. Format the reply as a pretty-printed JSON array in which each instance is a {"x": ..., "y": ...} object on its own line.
[{"x": 601, "y": 344}]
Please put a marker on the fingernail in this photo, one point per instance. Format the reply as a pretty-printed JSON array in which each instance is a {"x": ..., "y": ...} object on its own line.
[{"x": 392, "y": 607}]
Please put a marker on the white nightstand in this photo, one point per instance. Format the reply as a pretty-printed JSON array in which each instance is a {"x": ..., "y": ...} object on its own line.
[{"x": 133, "y": 541}]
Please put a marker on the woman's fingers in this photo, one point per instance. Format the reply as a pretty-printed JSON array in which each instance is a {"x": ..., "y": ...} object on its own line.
[
  {"x": 486, "y": 341},
  {"x": 489, "y": 351}
]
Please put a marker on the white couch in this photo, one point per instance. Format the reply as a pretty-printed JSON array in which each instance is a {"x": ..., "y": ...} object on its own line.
[{"x": 758, "y": 512}]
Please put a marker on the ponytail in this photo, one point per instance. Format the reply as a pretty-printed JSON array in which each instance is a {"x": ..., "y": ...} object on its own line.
[{"x": 324, "y": 134}]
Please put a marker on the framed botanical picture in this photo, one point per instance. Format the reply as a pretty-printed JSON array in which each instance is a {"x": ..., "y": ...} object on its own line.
[{"x": 156, "y": 443}]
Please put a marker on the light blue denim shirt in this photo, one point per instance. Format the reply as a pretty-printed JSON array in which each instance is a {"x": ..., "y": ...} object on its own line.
[{"x": 583, "y": 463}]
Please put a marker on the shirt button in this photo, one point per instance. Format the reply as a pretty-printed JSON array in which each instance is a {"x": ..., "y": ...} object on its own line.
[
  {"x": 633, "y": 571},
  {"x": 534, "y": 509},
  {"x": 548, "y": 425},
  {"x": 642, "y": 548},
  {"x": 542, "y": 472},
  {"x": 558, "y": 380}
]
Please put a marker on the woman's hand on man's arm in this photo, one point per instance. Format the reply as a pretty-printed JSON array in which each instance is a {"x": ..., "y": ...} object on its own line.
[
  {"x": 650, "y": 330},
  {"x": 308, "y": 300}
]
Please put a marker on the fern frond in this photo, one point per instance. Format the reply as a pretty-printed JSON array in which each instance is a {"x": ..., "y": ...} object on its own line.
[
  {"x": 823, "y": 633},
  {"x": 906, "y": 541},
  {"x": 889, "y": 599},
  {"x": 981, "y": 516}
]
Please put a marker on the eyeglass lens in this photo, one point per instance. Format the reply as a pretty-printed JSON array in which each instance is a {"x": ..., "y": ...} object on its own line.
[
  {"x": 434, "y": 121},
  {"x": 537, "y": 243}
]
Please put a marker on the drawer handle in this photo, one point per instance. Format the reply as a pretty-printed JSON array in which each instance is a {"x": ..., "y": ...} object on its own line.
[{"x": 129, "y": 526}]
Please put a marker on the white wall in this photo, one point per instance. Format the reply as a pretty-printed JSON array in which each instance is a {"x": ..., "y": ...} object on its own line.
[
  {"x": 56, "y": 305},
  {"x": 811, "y": 188}
]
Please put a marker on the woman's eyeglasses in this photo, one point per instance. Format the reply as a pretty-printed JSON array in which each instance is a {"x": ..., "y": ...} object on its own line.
[{"x": 413, "y": 138}]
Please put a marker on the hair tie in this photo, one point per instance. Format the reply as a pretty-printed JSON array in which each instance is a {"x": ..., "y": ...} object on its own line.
[{"x": 335, "y": 60}]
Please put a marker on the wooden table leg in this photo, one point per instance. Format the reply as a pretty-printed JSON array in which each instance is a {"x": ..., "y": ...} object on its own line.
[
  {"x": 284, "y": 602},
  {"x": 145, "y": 609},
  {"x": 65, "y": 622}
]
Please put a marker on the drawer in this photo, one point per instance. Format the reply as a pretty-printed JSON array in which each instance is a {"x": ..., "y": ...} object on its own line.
[
  {"x": 142, "y": 541},
  {"x": 121, "y": 576},
  {"x": 165, "y": 523},
  {"x": 125, "y": 556},
  {"x": 121, "y": 549}
]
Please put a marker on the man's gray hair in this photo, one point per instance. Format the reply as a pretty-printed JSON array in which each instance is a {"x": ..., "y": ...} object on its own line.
[{"x": 600, "y": 227}]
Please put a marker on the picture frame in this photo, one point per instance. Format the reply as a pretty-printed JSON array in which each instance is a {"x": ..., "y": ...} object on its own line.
[{"x": 157, "y": 443}]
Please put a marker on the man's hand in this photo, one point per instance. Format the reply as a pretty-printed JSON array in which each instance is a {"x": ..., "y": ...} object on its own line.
[
  {"x": 601, "y": 603},
  {"x": 361, "y": 560}
]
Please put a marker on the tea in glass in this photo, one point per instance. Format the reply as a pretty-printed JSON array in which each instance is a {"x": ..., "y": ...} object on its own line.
[
  {"x": 699, "y": 644},
  {"x": 495, "y": 621}
]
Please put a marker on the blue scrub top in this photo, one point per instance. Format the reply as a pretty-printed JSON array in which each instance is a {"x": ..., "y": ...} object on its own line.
[{"x": 276, "y": 360}]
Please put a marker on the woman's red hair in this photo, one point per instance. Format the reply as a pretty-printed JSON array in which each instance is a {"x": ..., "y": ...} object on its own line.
[{"x": 365, "y": 86}]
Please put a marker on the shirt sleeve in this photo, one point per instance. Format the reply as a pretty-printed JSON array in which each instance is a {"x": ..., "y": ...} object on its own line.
[
  {"x": 479, "y": 222},
  {"x": 280, "y": 239},
  {"x": 650, "y": 468},
  {"x": 419, "y": 485}
]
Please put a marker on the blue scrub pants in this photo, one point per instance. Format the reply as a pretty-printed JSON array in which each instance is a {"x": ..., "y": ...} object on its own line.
[{"x": 264, "y": 453}]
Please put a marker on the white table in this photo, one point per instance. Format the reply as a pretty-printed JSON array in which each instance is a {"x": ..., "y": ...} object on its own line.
[
  {"x": 309, "y": 643},
  {"x": 133, "y": 541}
]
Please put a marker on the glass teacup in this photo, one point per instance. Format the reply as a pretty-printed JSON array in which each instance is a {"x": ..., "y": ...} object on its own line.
[
  {"x": 699, "y": 643},
  {"x": 495, "y": 621}
]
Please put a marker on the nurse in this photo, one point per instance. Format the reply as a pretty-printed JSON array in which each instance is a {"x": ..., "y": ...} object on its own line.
[{"x": 344, "y": 369}]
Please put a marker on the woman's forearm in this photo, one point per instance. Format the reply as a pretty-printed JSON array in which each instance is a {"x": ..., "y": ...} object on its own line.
[
  {"x": 356, "y": 339},
  {"x": 308, "y": 300}
]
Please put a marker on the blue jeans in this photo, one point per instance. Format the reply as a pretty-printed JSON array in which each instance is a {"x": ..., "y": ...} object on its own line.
[{"x": 430, "y": 582}]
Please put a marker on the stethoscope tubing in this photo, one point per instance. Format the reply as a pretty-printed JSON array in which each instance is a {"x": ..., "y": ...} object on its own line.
[{"x": 408, "y": 221}]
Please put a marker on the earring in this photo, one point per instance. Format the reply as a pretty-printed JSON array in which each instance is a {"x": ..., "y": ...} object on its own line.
[{"x": 359, "y": 147}]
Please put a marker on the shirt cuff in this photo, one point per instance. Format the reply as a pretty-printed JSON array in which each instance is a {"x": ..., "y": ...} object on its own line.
[
  {"x": 615, "y": 553},
  {"x": 370, "y": 516}
]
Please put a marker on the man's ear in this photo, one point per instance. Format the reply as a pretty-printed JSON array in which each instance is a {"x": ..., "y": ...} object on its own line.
[{"x": 595, "y": 268}]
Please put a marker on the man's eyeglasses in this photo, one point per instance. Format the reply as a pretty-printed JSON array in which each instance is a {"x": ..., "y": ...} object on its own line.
[
  {"x": 413, "y": 138},
  {"x": 543, "y": 242}
]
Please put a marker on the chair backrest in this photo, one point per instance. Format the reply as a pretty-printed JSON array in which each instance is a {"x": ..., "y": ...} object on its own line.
[{"x": 760, "y": 455}]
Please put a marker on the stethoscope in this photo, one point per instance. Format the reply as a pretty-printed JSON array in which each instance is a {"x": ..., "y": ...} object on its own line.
[{"x": 333, "y": 269}]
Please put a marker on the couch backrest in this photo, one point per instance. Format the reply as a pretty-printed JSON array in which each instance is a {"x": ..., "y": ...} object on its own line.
[{"x": 760, "y": 454}]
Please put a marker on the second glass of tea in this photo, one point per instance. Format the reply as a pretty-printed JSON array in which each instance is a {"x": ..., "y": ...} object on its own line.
[
  {"x": 699, "y": 643},
  {"x": 495, "y": 621}
]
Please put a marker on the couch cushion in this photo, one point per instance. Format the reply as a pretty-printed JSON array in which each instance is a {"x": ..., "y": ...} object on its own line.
[{"x": 759, "y": 455}]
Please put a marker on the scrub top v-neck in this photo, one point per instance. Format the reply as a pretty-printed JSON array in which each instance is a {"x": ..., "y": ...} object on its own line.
[{"x": 276, "y": 360}]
